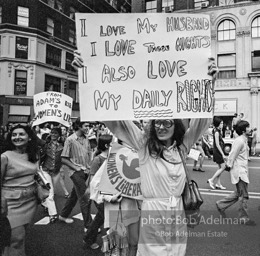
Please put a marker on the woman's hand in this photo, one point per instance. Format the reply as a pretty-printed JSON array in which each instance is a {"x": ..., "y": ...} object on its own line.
[
  {"x": 212, "y": 68},
  {"x": 77, "y": 61},
  {"x": 117, "y": 198}
]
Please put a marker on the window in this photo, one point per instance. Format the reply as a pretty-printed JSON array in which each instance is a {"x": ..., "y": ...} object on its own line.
[
  {"x": 58, "y": 5},
  {"x": 20, "y": 83},
  {"x": 227, "y": 74},
  {"x": 226, "y": 30},
  {"x": 114, "y": 3},
  {"x": 69, "y": 59},
  {"x": 53, "y": 56},
  {"x": 72, "y": 36},
  {"x": 0, "y": 14},
  {"x": 256, "y": 27},
  {"x": 71, "y": 89},
  {"x": 58, "y": 29},
  {"x": 122, "y": 9},
  {"x": 151, "y": 6},
  {"x": 198, "y": 4},
  {"x": 227, "y": 66},
  {"x": 21, "y": 49},
  {"x": 23, "y": 16},
  {"x": 50, "y": 26},
  {"x": 52, "y": 83},
  {"x": 256, "y": 61},
  {"x": 72, "y": 12},
  {"x": 51, "y": 3},
  {"x": 167, "y": 5},
  {"x": 225, "y": 2}
]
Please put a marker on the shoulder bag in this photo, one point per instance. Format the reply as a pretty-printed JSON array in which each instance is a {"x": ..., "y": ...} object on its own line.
[
  {"x": 115, "y": 243},
  {"x": 42, "y": 186},
  {"x": 192, "y": 199}
]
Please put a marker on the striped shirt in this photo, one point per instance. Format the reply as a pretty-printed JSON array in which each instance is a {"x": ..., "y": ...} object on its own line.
[
  {"x": 52, "y": 160},
  {"x": 78, "y": 150}
]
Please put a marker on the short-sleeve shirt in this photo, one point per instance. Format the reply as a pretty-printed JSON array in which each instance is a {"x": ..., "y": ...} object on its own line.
[
  {"x": 78, "y": 150},
  {"x": 52, "y": 161}
]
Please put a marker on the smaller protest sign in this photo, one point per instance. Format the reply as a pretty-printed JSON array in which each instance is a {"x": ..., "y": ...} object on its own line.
[
  {"x": 194, "y": 154},
  {"x": 52, "y": 107},
  {"x": 122, "y": 173}
]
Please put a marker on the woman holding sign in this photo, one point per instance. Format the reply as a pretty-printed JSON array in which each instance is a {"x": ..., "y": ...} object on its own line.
[{"x": 162, "y": 177}]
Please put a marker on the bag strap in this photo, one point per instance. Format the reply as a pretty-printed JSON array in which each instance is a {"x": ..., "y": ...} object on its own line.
[
  {"x": 185, "y": 166},
  {"x": 119, "y": 213}
]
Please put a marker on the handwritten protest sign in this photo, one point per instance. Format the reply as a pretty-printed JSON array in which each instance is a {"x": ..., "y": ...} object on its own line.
[
  {"x": 144, "y": 66},
  {"x": 194, "y": 154},
  {"x": 122, "y": 173},
  {"x": 52, "y": 107}
]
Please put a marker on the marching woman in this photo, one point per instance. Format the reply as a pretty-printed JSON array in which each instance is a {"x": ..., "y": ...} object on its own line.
[
  {"x": 51, "y": 165},
  {"x": 103, "y": 146},
  {"x": 162, "y": 176},
  {"x": 218, "y": 153},
  {"x": 18, "y": 167}
]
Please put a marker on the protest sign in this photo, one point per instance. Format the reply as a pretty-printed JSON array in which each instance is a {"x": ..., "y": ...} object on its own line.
[
  {"x": 122, "y": 173},
  {"x": 144, "y": 66},
  {"x": 194, "y": 154},
  {"x": 52, "y": 107}
]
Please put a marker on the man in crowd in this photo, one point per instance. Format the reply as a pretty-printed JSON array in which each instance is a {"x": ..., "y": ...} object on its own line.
[
  {"x": 237, "y": 164},
  {"x": 77, "y": 156}
]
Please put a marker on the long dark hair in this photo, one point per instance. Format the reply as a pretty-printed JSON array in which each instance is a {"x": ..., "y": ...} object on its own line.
[
  {"x": 103, "y": 140},
  {"x": 155, "y": 146},
  {"x": 32, "y": 147},
  {"x": 216, "y": 121}
]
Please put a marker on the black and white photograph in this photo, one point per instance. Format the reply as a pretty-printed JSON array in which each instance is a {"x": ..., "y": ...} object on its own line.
[{"x": 130, "y": 127}]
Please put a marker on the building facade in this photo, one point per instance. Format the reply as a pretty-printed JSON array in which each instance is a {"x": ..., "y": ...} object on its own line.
[
  {"x": 235, "y": 33},
  {"x": 37, "y": 40}
]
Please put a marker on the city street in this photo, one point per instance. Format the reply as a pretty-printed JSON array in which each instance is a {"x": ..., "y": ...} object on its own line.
[
  {"x": 71, "y": 71},
  {"x": 60, "y": 239}
]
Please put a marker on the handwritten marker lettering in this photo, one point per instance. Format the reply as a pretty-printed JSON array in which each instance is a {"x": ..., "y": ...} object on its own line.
[
  {"x": 93, "y": 48},
  {"x": 194, "y": 42},
  {"x": 110, "y": 30},
  {"x": 165, "y": 67},
  {"x": 186, "y": 23},
  {"x": 104, "y": 101},
  {"x": 144, "y": 66},
  {"x": 122, "y": 74},
  {"x": 84, "y": 75},
  {"x": 83, "y": 27},
  {"x": 150, "y": 99},
  {"x": 151, "y": 47},
  {"x": 121, "y": 47},
  {"x": 189, "y": 97},
  {"x": 145, "y": 25}
]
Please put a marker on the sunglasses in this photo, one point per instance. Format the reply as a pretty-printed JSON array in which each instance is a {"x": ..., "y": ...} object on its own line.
[{"x": 167, "y": 123}]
